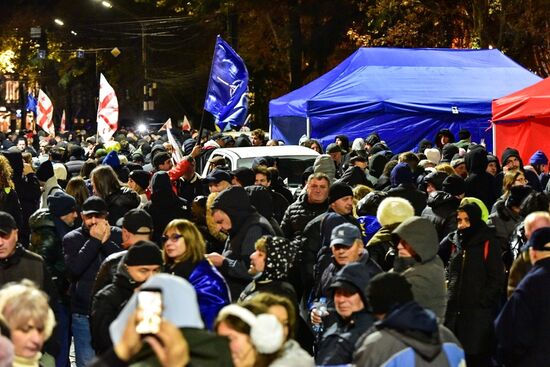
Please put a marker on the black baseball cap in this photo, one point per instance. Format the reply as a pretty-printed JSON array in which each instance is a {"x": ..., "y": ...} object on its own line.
[
  {"x": 539, "y": 239},
  {"x": 138, "y": 221},
  {"x": 218, "y": 175},
  {"x": 94, "y": 205},
  {"x": 7, "y": 223}
]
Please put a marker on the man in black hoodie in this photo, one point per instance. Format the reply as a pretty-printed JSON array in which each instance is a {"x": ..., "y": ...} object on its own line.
[
  {"x": 479, "y": 183},
  {"x": 407, "y": 334},
  {"x": 234, "y": 215}
]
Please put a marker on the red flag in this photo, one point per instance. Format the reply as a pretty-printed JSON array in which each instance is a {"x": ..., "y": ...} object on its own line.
[
  {"x": 167, "y": 125},
  {"x": 63, "y": 122},
  {"x": 44, "y": 113},
  {"x": 185, "y": 125},
  {"x": 107, "y": 111}
]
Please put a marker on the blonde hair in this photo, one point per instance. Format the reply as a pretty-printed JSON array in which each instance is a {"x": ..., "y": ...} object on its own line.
[
  {"x": 508, "y": 180},
  {"x": 194, "y": 242},
  {"x": 445, "y": 167},
  {"x": 23, "y": 301},
  {"x": 5, "y": 173}
]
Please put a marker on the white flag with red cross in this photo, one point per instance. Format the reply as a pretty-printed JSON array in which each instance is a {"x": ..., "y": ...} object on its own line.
[
  {"x": 107, "y": 111},
  {"x": 44, "y": 113}
]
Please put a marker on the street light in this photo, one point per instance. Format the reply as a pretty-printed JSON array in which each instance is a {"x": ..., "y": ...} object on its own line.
[
  {"x": 107, "y": 4},
  {"x": 59, "y": 22}
]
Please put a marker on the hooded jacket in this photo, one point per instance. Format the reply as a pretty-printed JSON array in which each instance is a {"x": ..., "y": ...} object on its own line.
[
  {"x": 247, "y": 225},
  {"x": 280, "y": 255},
  {"x": 479, "y": 183},
  {"x": 165, "y": 205},
  {"x": 267, "y": 203},
  {"x": 441, "y": 211},
  {"x": 409, "y": 336},
  {"x": 425, "y": 270},
  {"x": 475, "y": 283},
  {"x": 402, "y": 181}
]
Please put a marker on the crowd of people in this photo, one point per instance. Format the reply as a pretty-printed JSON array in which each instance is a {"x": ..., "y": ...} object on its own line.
[{"x": 437, "y": 257}]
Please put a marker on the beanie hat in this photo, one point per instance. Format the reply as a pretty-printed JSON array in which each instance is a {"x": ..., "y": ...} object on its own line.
[
  {"x": 433, "y": 155},
  {"x": 160, "y": 158},
  {"x": 509, "y": 152},
  {"x": 244, "y": 175},
  {"x": 538, "y": 158},
  {"x": 394, "y": 210},
  {"x": 61, "y": 203},
  {"x": 457, "y": 161},
  {"x": 517, "y": 195},
  {"x": 387, "y": 290},
  {"x": 45, "y": 171},
  {"x": 448, "y": 152},
  {"x": 323, "y": 163},
  {"x": 423, "y": 145},
  {"x": 454, "y": 185},
  {"x": 401, "y": 174},
  {"x": 372, "y": 139},
  {"x": 143, "y": 253},
  {"x": 333, "y": 148},
  {"x": 140, "y": 177},
  {"x": 339, "y": 190}
]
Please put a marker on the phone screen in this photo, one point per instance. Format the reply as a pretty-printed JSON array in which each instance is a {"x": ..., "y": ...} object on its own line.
[{"x": 149, "y": 311}]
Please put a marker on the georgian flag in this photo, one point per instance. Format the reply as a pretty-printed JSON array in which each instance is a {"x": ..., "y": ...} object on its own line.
[
  {"x": 107, "y": 111},
  {"x": 44, "y": 113}
]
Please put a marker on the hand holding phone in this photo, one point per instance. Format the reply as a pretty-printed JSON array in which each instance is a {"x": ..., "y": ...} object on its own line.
[{"x": 149, "y": 311}]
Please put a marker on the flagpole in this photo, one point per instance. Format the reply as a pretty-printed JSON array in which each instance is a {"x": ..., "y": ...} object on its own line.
[{"x": 201, "y": 126}]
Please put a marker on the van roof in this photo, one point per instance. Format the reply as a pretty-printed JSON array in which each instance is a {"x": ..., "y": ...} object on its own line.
[{"x": 280, "y": 151}]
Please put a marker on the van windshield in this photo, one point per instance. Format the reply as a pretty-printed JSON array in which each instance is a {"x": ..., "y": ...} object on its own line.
[{"x": 290, "y": 167}]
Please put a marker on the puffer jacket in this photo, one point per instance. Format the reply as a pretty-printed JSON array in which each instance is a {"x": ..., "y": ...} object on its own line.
[
  {"x": 441, "y": 211},
  {"x": 298, "y": 215},
  {"x": 425, "y": 271},
  {"x": 120, "y": 202},
  {"x": 504, "y": 221}
]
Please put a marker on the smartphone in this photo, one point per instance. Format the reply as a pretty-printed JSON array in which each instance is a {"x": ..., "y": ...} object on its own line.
[{"x": 149, "y": 311}]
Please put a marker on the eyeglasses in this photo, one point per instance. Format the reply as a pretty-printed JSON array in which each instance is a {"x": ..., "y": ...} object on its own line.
[{"x": 173, "y": 237}]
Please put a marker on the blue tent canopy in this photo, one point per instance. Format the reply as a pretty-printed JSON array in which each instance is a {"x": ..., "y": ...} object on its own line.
[{"x": 405, "y": 95}]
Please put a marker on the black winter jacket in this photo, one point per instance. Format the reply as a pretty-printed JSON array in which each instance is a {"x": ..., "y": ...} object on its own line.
[
  {"x": 416, "y": 197},
  {"x": 298, "y": 215},
  {"x": 441, "y": 211},
  {"x": 83, "y": 257},
  {"x": 475, "y": 286},
  {"x": 120, "y": 202},
  {"x": 479, "y": 183}
]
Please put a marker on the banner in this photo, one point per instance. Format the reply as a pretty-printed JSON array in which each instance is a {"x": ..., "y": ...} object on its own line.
[
  {"x": 226, "y": 96},
  {"x": 44, "y": 113},
  {"x": 177, "y": 154},
  {"x": 62, "y": 126},
  {"x": 107, "y": 111}
]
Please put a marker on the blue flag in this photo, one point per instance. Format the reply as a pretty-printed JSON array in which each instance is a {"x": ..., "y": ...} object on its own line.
[
  {"x": 31, "y": 103},
  {"x": 226, "y": 96}
]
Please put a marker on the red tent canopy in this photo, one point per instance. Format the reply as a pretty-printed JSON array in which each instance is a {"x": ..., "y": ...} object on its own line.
[{"x": 522, "y": 120}]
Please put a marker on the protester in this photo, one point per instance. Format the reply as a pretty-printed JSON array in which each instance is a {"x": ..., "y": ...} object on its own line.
[
  {"x": 138, "y": 264},
  {"x": 406, "y": 334},
  {"x": 184, "y": 255},
  {"x": 85, "y": 249}
]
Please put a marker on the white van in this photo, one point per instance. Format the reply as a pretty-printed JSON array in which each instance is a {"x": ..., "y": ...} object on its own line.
[{"x": 292, "y": 160}]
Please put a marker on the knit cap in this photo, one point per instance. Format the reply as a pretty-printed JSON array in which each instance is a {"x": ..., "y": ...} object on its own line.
[
  {"x": 339, "y": 190},
  {"x": 394, "y": 210},
  {"x": 61, "y": 203},
  {"x": 45, "y": 171},
  {"x": 538, "y": 158},
  {"x": 143, "y": 253}
]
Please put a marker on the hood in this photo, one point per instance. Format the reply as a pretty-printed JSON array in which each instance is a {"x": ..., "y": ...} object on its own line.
[
  {"x": 438, "y": 199},
  {"x": 235, "y": 202},
  {"x": 345, "y": 141},
  {"x": 112, "y": 160},
  {"x": 476, "y": 160},
  {"x": 376, "y": 164},
  {"x": 416, "y": 327},
  {"x": 401, "y": 175},
  {"x": 511, "y": 152},
  {"x": 161, "y": 182},
  {"x": 261, "y": 199},
  {"x": 325, "y": 164},
  {"x": 448, "y": 152},
  {"x": 328, "y": 223},
  {"x": 354, "y": 176},
  {"x": 16, "y": 163},
  {"x": 435, "y": 178},
  {"x": 179, "y": 302},
  {"x": 358, "y": 144},
  {"x": 420, "y": 233},
  {"x": 356, "y": 274},
  {"x": 279, "y": 259}
]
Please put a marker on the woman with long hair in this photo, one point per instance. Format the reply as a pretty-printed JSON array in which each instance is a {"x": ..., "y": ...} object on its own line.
[
  {"x": 9, "y": 201},
  {"x": 119, "y": 198},
  {"x": 184, "y": 252}
]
